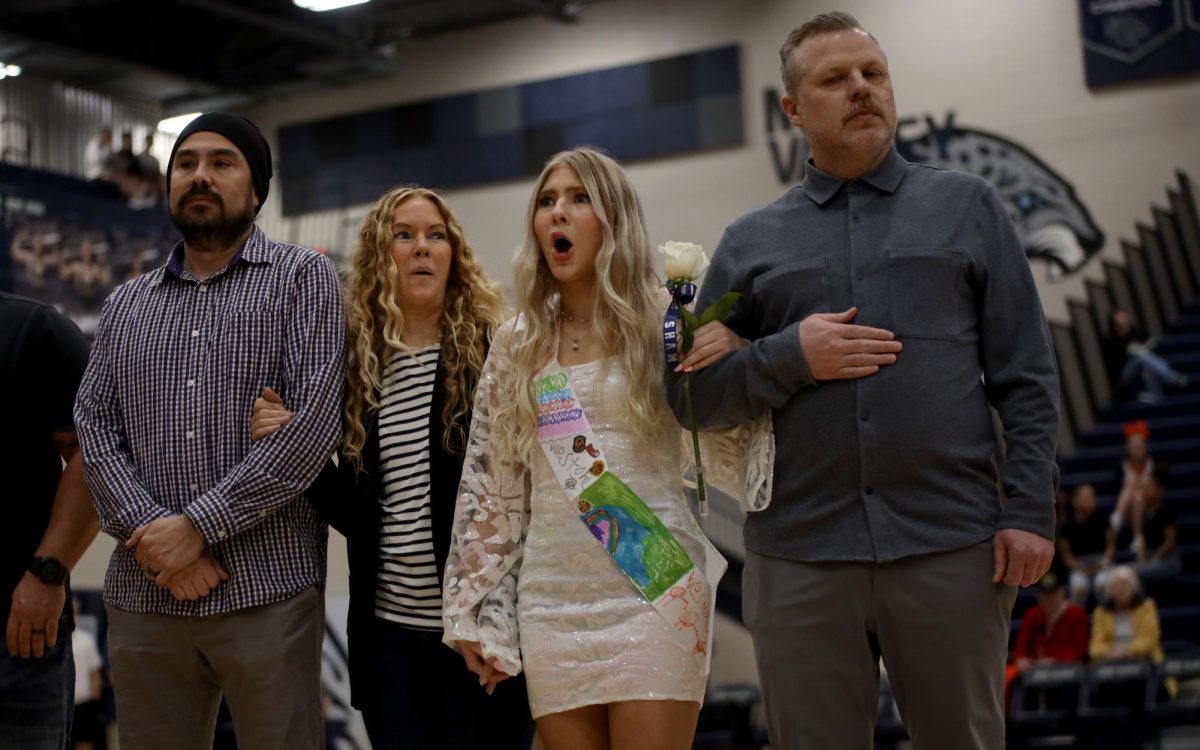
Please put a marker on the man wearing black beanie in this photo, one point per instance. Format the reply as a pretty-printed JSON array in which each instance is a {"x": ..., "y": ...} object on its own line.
[
  {"x": 245, "y": 136},
  {"x": 217, "y": 586},
  {"x": 200, "y": 208}
]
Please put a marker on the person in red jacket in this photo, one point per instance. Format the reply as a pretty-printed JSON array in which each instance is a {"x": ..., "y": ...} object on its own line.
[{"x": 1053, "y": 630}]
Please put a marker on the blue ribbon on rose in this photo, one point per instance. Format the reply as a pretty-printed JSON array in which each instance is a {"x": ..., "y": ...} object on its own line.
[
  {"x": 685, "y": 263},
  {"x": 673, "y": 328}
]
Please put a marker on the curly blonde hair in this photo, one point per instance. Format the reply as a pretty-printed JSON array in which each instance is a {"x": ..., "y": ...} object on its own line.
[
  {"x": 625, "y": 300},
  {"x": 473, "y": 309}
]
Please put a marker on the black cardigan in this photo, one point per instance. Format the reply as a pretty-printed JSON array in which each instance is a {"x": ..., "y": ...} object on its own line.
[{"x": 349, "y": 501}]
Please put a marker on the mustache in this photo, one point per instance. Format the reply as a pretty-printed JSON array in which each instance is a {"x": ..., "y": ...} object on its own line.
[
  {"x": 865, "y": 106},
  {"x": 199, "y": 191}
]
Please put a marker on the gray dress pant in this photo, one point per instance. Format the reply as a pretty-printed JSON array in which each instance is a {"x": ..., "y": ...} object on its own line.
[
  {"x": 169, "y": 674},
  {"x": 938, "y": 621}
]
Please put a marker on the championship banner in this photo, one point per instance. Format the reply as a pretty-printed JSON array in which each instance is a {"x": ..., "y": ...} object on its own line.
[{"x": 1132, "y": 40}]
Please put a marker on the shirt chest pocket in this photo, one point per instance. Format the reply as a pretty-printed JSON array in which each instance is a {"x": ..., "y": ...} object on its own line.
[
  {"x": 929, "y": 293},
  {"x": 792, "y": 292},
  {"x": 247, "y": 345}
]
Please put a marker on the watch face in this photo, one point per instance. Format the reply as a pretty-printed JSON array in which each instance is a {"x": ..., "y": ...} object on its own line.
[
  {"x": 49, "y": 570},
  {"x": 54, "y": 569}
]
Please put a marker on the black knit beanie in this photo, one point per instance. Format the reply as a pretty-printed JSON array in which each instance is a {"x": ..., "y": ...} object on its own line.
[{"x": 245, "y": 135}]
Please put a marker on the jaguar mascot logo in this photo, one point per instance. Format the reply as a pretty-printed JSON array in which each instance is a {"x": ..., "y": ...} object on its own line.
[
  {"x": 1053, "y": 223},
  {"x": 1055, "y": 226}
]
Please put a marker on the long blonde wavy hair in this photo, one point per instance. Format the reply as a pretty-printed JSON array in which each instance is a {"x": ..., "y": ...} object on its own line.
[
  {"x": 624, "y": 305},
  {"x": 474, "y": 308}
]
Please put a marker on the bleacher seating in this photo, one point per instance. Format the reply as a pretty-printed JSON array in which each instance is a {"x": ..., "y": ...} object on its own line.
[
  {"x": 1185, "y": 707},
  {"x": 48, "y": 221},
  {"x": 1124, "y": 703},
  {"x": 727, "y": 718},
  {"x": 1044, "y": 702},
  {"x": 1113, "y": 701}
]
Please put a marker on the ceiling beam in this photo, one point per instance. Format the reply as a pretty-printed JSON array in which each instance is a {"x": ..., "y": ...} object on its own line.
[
  {"x": 563, "y": 12},
  {"x": 322, "y": 37}
]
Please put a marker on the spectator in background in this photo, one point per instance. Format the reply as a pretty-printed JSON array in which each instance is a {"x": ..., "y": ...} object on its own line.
[
  {"x": 151, "y": 187},
  {"x": 87, "y": 732},
  {"x": 1137, "y": 464},
  {"x": 1053, "y": 630},
  {"x": 1126, "y": 624},
  {"x": 121, "y": 168},
  {"x": 121, "y": 161},
  {"x": 96, "y": 153},
  {"x": 1134, "y": 370},
  {"x": 138, "y": 262},
  {"x": 1086, "y": 542},
  {"x": 1158, "y": 557},
  {"x": 147, "y": 162},
  {"x": 36, "y": 253},
  {"x": 89, "y": 274}
]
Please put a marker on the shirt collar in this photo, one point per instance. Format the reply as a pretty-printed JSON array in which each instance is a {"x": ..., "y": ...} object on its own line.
[
  {"x": 820, "y": 186},
  {"x": 253, "y": 250}
]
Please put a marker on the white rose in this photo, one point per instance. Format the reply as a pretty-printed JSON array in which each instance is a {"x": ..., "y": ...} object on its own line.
[{"x": 683, "y": 260}]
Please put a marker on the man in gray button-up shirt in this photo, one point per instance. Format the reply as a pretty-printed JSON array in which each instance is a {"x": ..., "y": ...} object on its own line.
[{"x": 888, "y": 306}]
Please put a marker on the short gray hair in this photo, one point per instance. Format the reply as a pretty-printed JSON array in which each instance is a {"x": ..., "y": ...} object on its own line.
[
  {"x": 1123, "y": 573},
  {"x": 825, "y": 23}
]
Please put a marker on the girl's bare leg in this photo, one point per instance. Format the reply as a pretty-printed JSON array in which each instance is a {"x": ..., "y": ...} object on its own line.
[
  {"x": 652, "y": 725},
  {"x": 584, "y": 728}
]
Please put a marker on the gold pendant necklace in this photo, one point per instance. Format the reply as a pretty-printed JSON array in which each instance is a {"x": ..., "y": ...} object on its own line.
[{"x": 574, "y": 341}]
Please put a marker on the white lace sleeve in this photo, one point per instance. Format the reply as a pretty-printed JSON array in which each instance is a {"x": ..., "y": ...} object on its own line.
[
  {"x": 739, "y": 461},
  {"x": 479, "y": 596}
]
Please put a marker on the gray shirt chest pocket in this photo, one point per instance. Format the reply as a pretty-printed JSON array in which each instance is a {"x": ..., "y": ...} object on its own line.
[{"x": 930, "y": 294}]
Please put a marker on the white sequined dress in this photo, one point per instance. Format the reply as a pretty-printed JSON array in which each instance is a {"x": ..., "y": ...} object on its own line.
[{"x": 528, "y": 581}]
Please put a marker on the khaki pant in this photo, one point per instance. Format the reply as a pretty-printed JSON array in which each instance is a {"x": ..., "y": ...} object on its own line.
[
  {"x": 169, "y": 674},
  {"x": 937, "y": 620}
]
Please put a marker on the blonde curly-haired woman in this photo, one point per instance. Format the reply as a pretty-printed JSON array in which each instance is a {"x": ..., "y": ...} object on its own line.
[{"x": 421, "y": 314}]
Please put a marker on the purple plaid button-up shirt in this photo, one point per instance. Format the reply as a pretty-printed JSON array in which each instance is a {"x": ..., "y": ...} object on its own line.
[{"x": 163, "y": 419}]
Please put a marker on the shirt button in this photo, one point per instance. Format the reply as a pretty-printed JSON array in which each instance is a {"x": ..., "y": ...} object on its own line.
[
  {"x": 191, "y": 382},
  {"x": 858, "y": 276},
  {"x": 194, "y": 487},
  {"x": 870, "y": 491},
  {"x": 262, "y": 514},
  {"x": 864, "y": 418},
  {"x": 203, "y": 288},
  {"x": 220, "y": 533},
  {"x": 195, "y": 334},
  {"x": 856, "y": 219},
  {"x": 190, "y": 434}
]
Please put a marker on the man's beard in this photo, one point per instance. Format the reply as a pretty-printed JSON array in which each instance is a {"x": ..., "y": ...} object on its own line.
[{"x": 215, "y": 231}]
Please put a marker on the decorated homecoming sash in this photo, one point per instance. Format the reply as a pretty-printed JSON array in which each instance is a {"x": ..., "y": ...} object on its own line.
[{"x": 635, "y": 539}]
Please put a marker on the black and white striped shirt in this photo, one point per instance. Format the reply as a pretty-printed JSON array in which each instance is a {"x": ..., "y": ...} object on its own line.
[{"x": 407, "y": 590}]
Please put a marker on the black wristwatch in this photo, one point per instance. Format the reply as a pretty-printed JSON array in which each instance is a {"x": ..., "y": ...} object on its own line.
[{"x": 49, "y": 570}]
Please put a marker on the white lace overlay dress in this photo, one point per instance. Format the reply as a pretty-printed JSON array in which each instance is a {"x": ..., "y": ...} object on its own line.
[{"x": 586, "y": 635}]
